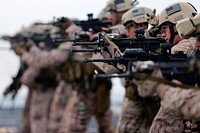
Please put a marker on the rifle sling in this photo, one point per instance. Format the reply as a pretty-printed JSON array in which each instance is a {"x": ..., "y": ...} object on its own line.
[
  {"x": 171, "y": 83},
  {"x": 144, "y": 76}
]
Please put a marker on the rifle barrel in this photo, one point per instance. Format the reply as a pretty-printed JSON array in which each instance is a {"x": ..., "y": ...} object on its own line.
[
  {"x": 100, "y": 60},
  {"x": 62, "y": 40},
  {"x": 86, "y": 43},
  {"x": 85, "y": 50}
]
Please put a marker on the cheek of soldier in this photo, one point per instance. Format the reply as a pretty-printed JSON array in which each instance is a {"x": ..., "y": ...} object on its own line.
[{"x": 166, "y": 34}]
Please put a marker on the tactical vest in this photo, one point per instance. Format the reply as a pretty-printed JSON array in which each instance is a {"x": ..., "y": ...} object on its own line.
[
  {"x": 47, "y": 79},
  {"x": 80, "y": 73}
]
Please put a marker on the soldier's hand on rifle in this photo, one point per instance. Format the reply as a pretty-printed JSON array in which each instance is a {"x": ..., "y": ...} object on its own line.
[
  {"x": 19, "y": 51},
  {"x": 90, "y": 35},
  {"x": 111, "y": 49},
  {"x": 146, "y": 86}
]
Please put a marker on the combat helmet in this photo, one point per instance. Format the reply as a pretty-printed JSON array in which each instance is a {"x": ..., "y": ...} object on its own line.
[
  {"x": 175, "y": 12},
  {"x": 120, "y": 5},
  {"x": 103, "y": 15},
  {"x": 137, "y": 15}
]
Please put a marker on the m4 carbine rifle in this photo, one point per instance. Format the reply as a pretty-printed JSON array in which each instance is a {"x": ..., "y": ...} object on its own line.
[
  {"x": 150, "y": 45},
  {"x": 35, "y": 37},
  {"x": 177, "y": 66},
  {"x": 93, "y": 25}
]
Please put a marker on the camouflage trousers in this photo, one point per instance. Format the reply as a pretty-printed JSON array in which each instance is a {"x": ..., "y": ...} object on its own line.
[
  {"x": 136, "y": 116},
  {"x": 58, "y": 105},
  {"x": 137, "y": 113},
  {"x": 79, "y": 110},
  {"x": 166, "y": 121},
  {"x": 26, "y": 127},
  {"x": 39, "y": 110}
]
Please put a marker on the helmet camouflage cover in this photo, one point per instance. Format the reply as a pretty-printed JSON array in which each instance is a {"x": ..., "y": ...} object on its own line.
[
  {"x": 137, "y": 15},
  {"x": 175, "y": 12},
  {"x": 120, "y": 5}
]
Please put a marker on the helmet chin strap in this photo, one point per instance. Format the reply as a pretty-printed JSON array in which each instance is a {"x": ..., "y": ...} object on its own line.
[{"x": 173, "y": 34}]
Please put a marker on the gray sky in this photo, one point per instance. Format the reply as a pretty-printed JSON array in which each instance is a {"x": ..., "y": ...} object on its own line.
[{"x": 17, "y": 13}]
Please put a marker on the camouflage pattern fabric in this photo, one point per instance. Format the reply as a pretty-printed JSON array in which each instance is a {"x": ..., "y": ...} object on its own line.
[
  {"x": 39, "y": 110},
  {"x": 186, "y": 45},
  {"x": 137, "y": 114},
  {"x": 57, "y": 109},
  {"x": 79, "y": 110},
  {"x": 26, "y": 125}
]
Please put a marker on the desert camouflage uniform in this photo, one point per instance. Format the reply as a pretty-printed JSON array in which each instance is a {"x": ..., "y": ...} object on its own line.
[
  {"x": 26, "y": 126},
  {"x": 106, "y": 68},
  {"x": 39, "y": 110},
  {"x": 95, "y": 99},
  {"x": 66, "y": 70},
  {"x": 40, "y": 61},
  {"x": 25, "y": 123},
  {"x": 59, "y": 102},
  {"x": 42, "y": 79},
  {"x": 137, "y": 112},
  {"x": 90, "y": 97},
  {"x": 177, "y": 104},
  {"x": 167, "y": 120},
  {"x": 63, "y": 91},
  {"x": 85, "y": 105},
  {"x": 43, "y": 83},
  {"x": 185, "y": 45}
]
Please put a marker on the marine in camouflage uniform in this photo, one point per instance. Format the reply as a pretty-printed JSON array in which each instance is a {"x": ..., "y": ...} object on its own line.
[
  {"x": 177, "y": 104},
  {"x": 43, "y": 60},
  {"x": 70, "y": 68},
  {"x": 43, "y": 82},
  {"x": 63, "y": 90},
  {"x": 78, "y": 76},
  {"x": 137, "y": 113},
  {"x": 25, "y": 122},
  {"x": 38, "y": 66},
  {"x": 167, "y": 120},
  {"x": 90, "y": 97},
  {"x": 19, "y": 46}
]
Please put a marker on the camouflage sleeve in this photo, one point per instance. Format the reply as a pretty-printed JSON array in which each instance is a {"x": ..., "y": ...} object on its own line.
[
  {"x": 29, "y": 76},
  {"x": 41, "y": 58},
  {"x": 37, "y": 59},
  {"x": 183, "y": 102},
  {"x": 186, "y": 45},
  {"x": 106, "y": 68},
  {"x": 28, "y": 57}
]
